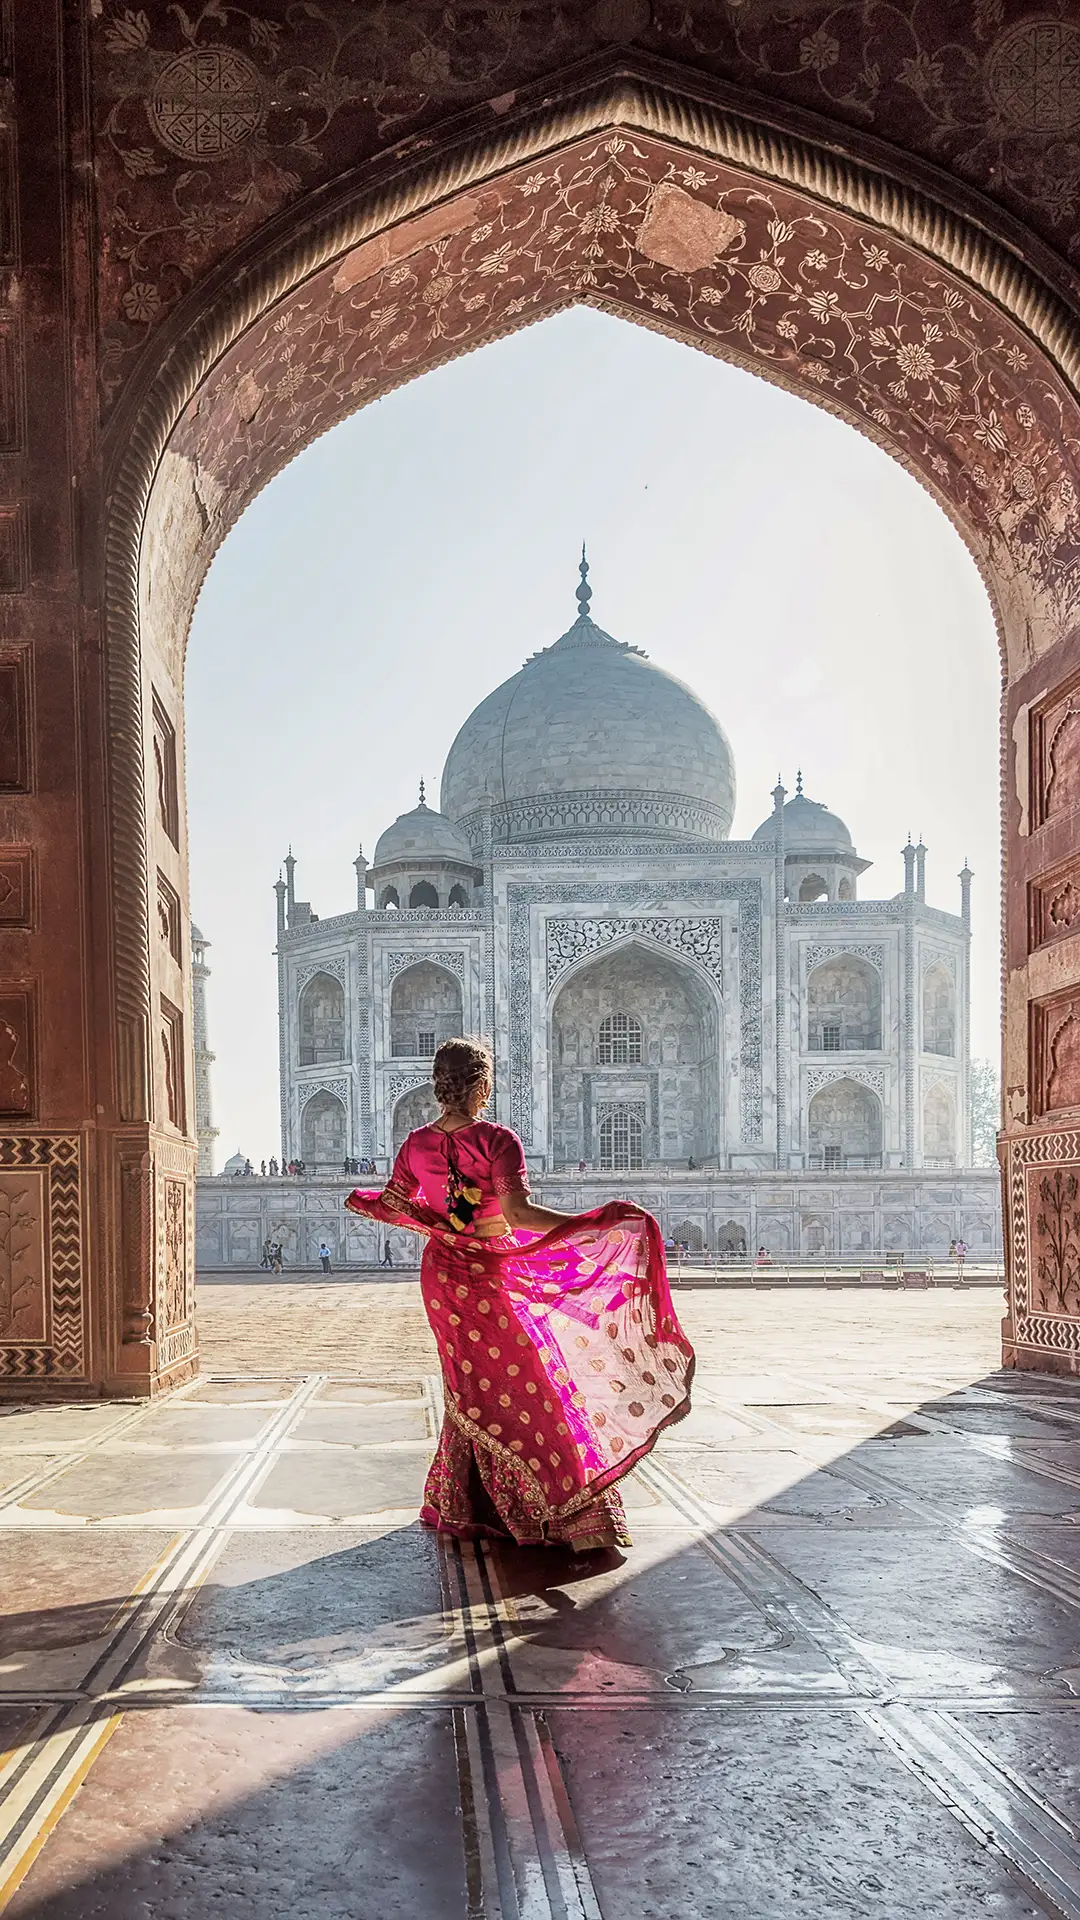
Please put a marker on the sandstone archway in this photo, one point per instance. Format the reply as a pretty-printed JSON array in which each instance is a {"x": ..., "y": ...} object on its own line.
[{"x": 753, "y": 242}]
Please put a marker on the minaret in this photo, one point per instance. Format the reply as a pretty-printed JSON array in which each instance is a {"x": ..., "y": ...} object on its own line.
[
  {"x": 908, "y": 1019},
  {"x": 783, "y": 1054},
  {"x": 361, "y": 867},
  {"x": 205, "y": 1131},
  {"x": 920, "y": 870},
  {"x": 965, "y": 893}
]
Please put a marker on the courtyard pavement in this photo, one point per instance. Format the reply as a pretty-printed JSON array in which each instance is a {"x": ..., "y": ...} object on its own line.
[{"x": 837, "y": 1674}]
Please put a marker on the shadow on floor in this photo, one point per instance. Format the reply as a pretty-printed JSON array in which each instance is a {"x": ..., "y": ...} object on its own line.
[{"x": 274, "y": 1802}]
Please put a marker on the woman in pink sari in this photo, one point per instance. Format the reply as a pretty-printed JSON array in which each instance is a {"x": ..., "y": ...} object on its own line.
[{"x": 562, "y": 1359}]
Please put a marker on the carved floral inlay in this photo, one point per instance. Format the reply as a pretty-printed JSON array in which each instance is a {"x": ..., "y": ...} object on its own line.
[
  {"x": 211, "y": 119},
  {"x": 570, "y": 940},
  {"x": 800, "y": 292}
]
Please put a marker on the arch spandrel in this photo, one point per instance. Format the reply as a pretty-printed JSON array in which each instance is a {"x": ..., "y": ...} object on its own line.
[{"x": 831, "y": 307}]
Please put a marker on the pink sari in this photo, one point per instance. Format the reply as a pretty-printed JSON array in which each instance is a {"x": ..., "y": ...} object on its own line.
[{"x": 561, "y": 1355}]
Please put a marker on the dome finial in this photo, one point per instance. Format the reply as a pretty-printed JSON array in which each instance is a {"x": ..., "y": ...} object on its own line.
[
  {"x": 423, "y": 794},
  {"x": 798, "y": 781},
  {"x": 584, "y": 591}
]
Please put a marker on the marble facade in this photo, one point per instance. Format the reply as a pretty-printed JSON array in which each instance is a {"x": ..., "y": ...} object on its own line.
[{"x": 659, "y": 996}]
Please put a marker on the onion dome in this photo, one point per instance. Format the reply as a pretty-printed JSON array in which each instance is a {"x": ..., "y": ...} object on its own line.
[
  {"x": 809, "y": 827},
  {"x": 422, "y": 834},
  {"x": 591, "y": 735}
]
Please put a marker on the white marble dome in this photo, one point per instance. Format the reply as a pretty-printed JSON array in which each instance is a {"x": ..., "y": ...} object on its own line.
[
  {"x": 422, "y": 833},
  {"x": 591, "y": 735},
  {"x": 809, "y": 827}
]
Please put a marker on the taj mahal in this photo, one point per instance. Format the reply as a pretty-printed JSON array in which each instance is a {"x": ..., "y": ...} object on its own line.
[{"x": 723, "y": 1029}]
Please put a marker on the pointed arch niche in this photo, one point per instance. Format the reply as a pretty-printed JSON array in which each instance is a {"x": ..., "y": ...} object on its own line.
[
  {"x": 754, "y": 242},
  {"x": 634, "y": 1046}
]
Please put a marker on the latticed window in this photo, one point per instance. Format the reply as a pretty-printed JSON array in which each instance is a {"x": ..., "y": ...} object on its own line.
[
  {"x": 832, "y": 1159},
  {"x": 831, "y": 1038},
  {"x": 622, "y": 1137},
  {"x": 620, "y": 1040},
  {"x": 425, "y": 1045}
]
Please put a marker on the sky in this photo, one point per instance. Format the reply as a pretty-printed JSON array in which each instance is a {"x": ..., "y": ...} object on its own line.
[{"x": 787, "y": 569}]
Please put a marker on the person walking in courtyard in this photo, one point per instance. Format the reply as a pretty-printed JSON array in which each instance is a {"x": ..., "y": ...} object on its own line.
[
  {"x": 267, "y": 1260},
  {"x": 324, "y": 1256},
  {"x": 387, "y": 1252},
  {"x": 276, "y": 1261},
  {"x": 562, "y": 1358},
  {"x": 960, "y": 1251}
]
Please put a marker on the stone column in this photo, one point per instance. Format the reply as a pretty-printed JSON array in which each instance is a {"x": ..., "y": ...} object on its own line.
[
  {"x": 964, "y": 1143},
  {"x": 908, "y": 1013},
  {"x": 284, "y": 1077},
  {"x": 780, "y": 952}
]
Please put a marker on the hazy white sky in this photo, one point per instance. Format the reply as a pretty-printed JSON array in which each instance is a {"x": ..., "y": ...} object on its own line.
[{"x": 788, "y": 570}]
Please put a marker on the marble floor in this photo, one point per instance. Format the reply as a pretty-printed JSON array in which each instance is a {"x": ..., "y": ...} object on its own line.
[{"x": 837, "y": 1674}]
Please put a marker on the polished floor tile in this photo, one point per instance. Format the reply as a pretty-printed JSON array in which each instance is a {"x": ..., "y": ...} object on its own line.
[{"x": 837, "y": 1674}]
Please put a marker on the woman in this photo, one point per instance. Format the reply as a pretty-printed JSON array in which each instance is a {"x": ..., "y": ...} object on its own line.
[{"x": 561, "y": 1355}]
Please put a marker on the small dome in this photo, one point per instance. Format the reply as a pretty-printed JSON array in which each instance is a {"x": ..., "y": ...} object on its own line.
[
  {"x": 809, "y": 827},
  {"x": 235, "y": 1163},
  {"x": 592, "y": 734},
  {"x": 422, "y": 834}
]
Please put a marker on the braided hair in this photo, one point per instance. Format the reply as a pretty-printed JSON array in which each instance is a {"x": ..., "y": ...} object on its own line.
[{"x": 460, "y": 1069}]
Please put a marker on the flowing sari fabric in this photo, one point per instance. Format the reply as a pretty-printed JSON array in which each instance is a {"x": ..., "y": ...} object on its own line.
[{"x": 561, "y": 1354}]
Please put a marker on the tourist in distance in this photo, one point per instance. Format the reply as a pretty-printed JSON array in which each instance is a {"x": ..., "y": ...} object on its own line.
[
  {"x": 561, "y": 1355},
  {"x": 324, "y": 1256},
  {"x": 387, "y": 1252}
]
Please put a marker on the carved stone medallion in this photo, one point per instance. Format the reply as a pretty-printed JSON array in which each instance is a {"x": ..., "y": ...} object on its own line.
[
  {"x": 206, "y": 102},
  {"x": 1033, "y": 76}
]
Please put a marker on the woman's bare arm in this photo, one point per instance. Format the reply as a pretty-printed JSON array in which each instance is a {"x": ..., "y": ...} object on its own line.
[{"x": 520, "y": 1212}]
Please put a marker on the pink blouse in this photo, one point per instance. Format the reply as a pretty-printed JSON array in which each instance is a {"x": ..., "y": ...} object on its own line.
[{"x": 487, "y": 1156}]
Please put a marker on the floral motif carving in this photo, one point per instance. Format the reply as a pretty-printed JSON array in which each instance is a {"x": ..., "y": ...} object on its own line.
[
  {"x": 804, "y": 295},
  {"x": 22, "y": 1257},
  {"x": 814, "y": 955},
  {"x": 335, "y": 964},
  {"x": 174, "y": 1267},
  {"x": 397, "y": 1084},
  {"x": 307, "y": 1089},
  {"x": 398, "y": 962},
  {"x": 818, "y": 1077},
  {"x": 570, "y": 940},
  {"x": 1057, "y": 1242},
  {"x": 210, "y": 121},
  {"x": 938, "y": 957}
]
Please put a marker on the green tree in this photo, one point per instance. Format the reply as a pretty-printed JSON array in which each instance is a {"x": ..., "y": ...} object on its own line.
[{"x": 985, "y": 1084}]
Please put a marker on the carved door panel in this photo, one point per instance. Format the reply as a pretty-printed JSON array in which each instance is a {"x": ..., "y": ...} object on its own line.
[{"x": 1041, "y": 1147}]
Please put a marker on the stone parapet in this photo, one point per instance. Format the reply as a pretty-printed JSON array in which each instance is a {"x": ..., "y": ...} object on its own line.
[{"x": 799, "y": 1215}]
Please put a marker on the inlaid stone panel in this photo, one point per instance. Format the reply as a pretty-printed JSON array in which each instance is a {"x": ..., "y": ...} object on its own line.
[
  {"x": 1055, "y": 754},
  {"x": 1055, "y": 1052},
  {"x": 1054, "y": 905},
  {"x": 23, "y": 1261}
]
